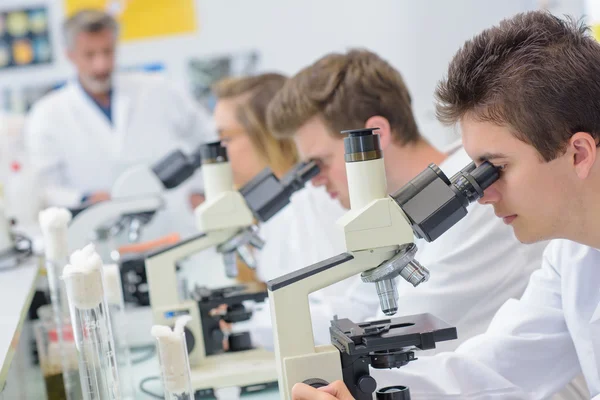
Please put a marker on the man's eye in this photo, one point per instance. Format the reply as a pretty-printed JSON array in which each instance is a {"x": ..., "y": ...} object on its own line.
[
  {"x": 319, "y": 162},
  {"x": 501, "y": 167}
]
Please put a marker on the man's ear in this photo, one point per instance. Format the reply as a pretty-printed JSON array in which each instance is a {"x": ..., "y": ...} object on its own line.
[
  {"x": 583, "y": 148},
  {"x": 384, "y": 131}
]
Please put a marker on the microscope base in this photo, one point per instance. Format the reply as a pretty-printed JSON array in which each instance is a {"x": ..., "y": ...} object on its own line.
[{"x": 252, "y": 371}]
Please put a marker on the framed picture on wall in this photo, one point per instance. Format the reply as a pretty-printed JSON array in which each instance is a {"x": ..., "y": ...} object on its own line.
[
  {"x": 24, "y": 37},
  {"x": 203, "y": 72}
]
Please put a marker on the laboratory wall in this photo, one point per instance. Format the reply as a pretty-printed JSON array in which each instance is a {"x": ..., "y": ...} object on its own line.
[{"x": 417, "y": 37}]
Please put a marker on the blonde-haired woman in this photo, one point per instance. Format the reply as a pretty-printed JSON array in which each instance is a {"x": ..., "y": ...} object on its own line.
[
  {"x": 305, "y": 231},
  {"x": 240, "y": 117}
]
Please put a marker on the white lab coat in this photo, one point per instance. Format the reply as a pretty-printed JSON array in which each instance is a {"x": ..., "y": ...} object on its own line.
[
  {"x": 533, "y": 346},
  {"x": 76, "y": 149},
  {"x": 302, "y": 234}
]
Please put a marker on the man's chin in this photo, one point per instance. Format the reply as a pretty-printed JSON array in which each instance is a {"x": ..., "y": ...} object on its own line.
[
  {"x": 97, "y": 87},
  {"x": 528, "y": 237},
  {"x": 344, "y": 202}
]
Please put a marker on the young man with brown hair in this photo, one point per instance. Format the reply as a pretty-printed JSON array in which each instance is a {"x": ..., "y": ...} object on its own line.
[
  {"x": 475, "y": 267},
  {"x": 526, "y": 94}
]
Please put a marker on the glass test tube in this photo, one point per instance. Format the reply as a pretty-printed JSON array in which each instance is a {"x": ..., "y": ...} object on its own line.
[
  {"x": 174, "y": 362},
  {"x": 54, "y": 222},
  {"x": 91, "y": 323},
  {"x": 116, "y": 305}
]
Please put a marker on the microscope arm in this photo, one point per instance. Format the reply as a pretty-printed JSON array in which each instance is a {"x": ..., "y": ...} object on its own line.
[
  {"x": 295, "y": 349},
  {"x": 98, "y": 214},
  {"x": 138, "y": 180},
  {"x": 160, "y": 265}
]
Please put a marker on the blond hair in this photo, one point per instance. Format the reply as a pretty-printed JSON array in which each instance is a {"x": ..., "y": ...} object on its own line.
[
  {"x": 255, "y": 93},
  {"x": 345, "y": 90}
]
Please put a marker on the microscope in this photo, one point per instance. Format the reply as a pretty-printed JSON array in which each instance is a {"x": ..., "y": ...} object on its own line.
[
  {"x": 227, "y": 221},
  {"x": 14, "y": 248},
  {"x": 135, "y": 198},
  {"x": 379, "y": 231}
]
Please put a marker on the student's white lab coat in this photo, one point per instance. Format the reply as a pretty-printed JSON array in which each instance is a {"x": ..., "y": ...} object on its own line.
[
  {"x": 533, "y": 346},
  {"x": 77, "y": 150},
  {"x": 302, "y": 234}
]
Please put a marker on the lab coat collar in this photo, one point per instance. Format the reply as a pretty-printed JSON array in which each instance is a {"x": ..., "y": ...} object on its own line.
[
  {"x": 121, "y": 109},
  {"x": 102, "y": 108},
  {"x": 86, "y": 108}
]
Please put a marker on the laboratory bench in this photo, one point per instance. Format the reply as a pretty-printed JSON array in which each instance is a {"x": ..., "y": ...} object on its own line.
[
  {"x": 17, "y": 287},
  {"x": 20, "y": 375},
  {"x": 25, "y": 381}
]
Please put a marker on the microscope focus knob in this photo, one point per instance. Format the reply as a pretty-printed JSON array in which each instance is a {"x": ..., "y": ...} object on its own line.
[
  {"x": 316, "y": 382},
  {"x": 393, "y": 393},
  {"x": 240, "y": 341},
  {"x": 366, "y": 384}
]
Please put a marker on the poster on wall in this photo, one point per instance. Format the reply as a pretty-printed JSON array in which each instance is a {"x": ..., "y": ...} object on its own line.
[
  {"x": 144, "y": 19},
  {"x": 203, "y": 72},
  {"x": 24, "y": 37}
]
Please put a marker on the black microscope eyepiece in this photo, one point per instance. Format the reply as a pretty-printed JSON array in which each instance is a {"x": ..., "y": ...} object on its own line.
[
  {"x": 361, "y": 145},
  {"x": 213, "y": 153}
]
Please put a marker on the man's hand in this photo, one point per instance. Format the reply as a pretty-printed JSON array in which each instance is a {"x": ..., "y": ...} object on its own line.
[
  {"x": 97, "y": 197},
  {"x": 334, "y": 391},
  {"x": 196, "y": 199}
]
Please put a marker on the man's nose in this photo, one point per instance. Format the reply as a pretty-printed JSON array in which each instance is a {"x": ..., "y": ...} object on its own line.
[
  {"x": 102, "y": 64},
  {"x": 491, "y": 195},
  {"x": 319, "y": 180}
]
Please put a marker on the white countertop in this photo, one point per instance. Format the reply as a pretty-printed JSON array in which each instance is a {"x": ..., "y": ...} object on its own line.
[{"x": 16, "y": 292}]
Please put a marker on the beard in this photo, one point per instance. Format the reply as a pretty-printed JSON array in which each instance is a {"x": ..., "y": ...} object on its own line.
[{"x": 96, "y": 85}]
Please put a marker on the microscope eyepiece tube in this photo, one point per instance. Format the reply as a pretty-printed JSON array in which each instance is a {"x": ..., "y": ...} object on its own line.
[
  {"x": 433, "y": 203},
  {"x": 485, "y": 175},
  {"x": 212, "y": 152},
  {"x": 361, "y": 145},
  {"x": 216, "y": 170},
  {"x": 364, "y": 167},
  {"x": 472, "y": 184}
]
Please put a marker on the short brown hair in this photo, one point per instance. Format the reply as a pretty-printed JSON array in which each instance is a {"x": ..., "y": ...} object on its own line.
[
  {"x": 345, "y": 90},
  {"x": 255, "y": 93},
  {"x": 534, "y": 73}
]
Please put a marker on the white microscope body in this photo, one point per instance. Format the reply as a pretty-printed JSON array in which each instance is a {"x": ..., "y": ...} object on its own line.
[
  {"x": 227, "y": 220},
  {"x": 374, "y": 229},
  {"x": 379, "y": 231},
  {"x": 137, "y": 193}
]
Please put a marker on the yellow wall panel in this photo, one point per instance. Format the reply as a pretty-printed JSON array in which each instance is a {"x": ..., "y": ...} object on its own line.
[{"x": 143, "y": 19}]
